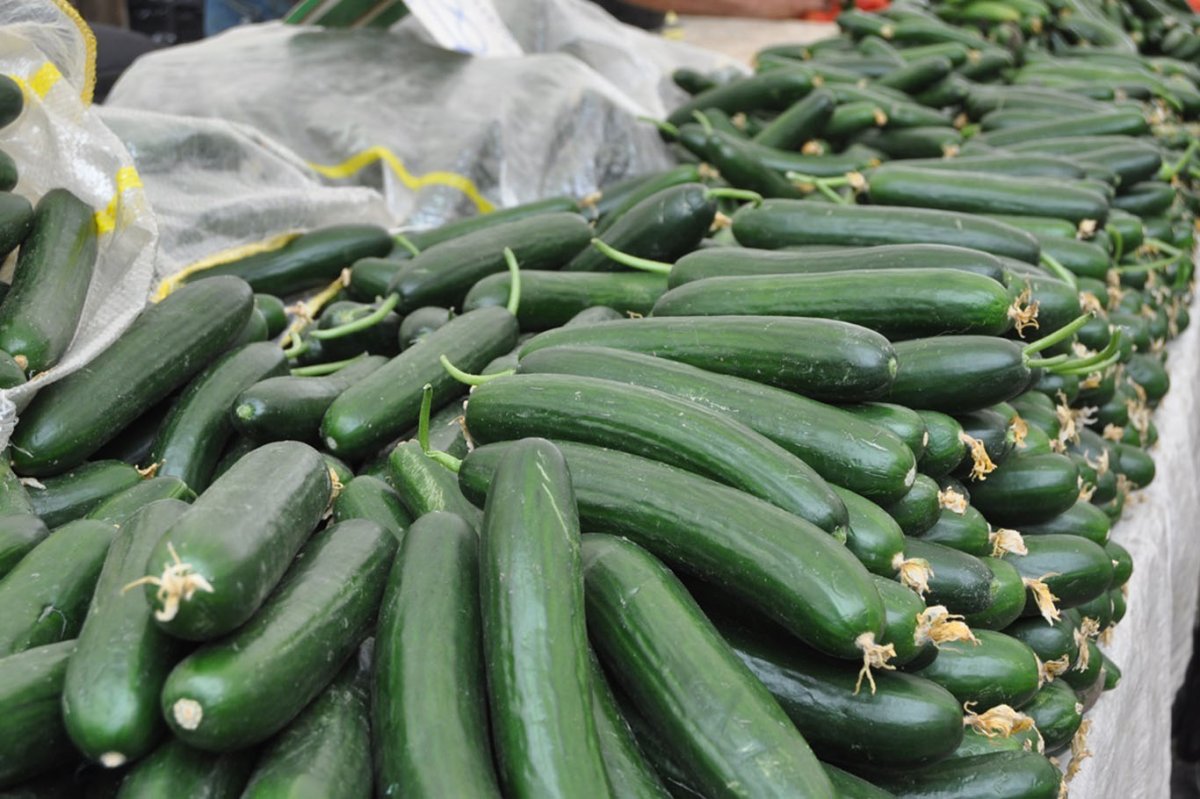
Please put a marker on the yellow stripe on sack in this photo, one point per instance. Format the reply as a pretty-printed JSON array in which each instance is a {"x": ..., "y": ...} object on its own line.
[
  {"x": 127, "y": 178},
  {"x": 42, "y": 81},
  {"x": 89, "y": 48},
  {"x": 414, "y": 182},
  {"x": 225, "y": 256}
]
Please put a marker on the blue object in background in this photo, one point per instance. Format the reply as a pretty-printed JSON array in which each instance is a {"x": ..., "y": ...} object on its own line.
[{"x": 222, "y": 14}]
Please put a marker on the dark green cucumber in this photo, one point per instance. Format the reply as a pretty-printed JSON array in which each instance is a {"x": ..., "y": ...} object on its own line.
[
  {"x": 724, "y": 262},
  {"x": 997, "y": 670},
  {"x": 903, "y": 723},
  {"x": 191, "y": 438},
  {"x": 381, "y": 338},
  {"x": 274, "y": 313},
  {"x": 132, "y": 445},
  {"x": 845, "y": 451},
  {"x": 74, "y": 494},
  {"x": 999, "y": 775},
  {"x": 19, "y": 534},
  {"x": 672, "y": 663},
  {"x": 905, "y": 624},
  {"x": 46, "y": 595},
  {"x": 550, "y": 299},
  {"x": 905, "y": 423},
  {"x": 617, "y": 198},
  {"x": 370, "y": 277},
  {"x": 1007, "y": 598},
  {"x": 8, "y": 173},
  {"x": 1135, "y": 464},
  {"x": 12, "y": 100},
  {"x": 957, "y": 373},
  {"x": 1039, "y": 225},
  {"x": 1148, "y": 198},
  {"x": 238, "y": 448},
  {"x": 239, "y": 537},
  {"x": 917, "y": 510},
  {"x": 967, "y": 531},
  {"x": 1052, "y": 384},
  {"x": 959, "y": 581},
  {"x": 325, "y": 751},
  {"x": 370, "y": 498},
  {"x": 339, "y": 472},
  {"x": 254, "y": 331},
  {"x": 424, "y": 239},
  {"x": 431, "y": 605},
  {"x": 166, "y": 344},
  {"x": 1112, "y": 673},
  {"x": 422, "y": 321},
  {"x": 443, "y": 274},
  {"x": 385, "y": 403},
  {"x": 31, "y": 712},
  {"x": 1049, "y": 640},
  {"x": 848, "y": 786},
  {"x": 654, "y": 425},
  {"x": 913, "y": 142},
  {"x": 175, "y": 769},
  {"x": 1029, "y": 165},
  {"x": 1122, "y": 563},
  {"x": 1082, "y": 258},
  {"x": 1104, "y": 123},
  {"x": 54, "y": 270},
  {"x": 989, "y": 428},
  {"x": 1082, "y": 519},
  {"x": 291, "y": 407},
  {"x": 425, "y": 486},
  {"x": 11, "y": 373},
  {"x": 782, "y": 223},
  {"x": 1073, "y": 568},
  {"x": 777, "y": 89},
  {"x": 1088, "y": 682},
  {"x": 1099, "y": 610},
  {"x": 1027, "y": 489},
  {"x": 243, "y": 689},
  {"x": 899, "y": 303},
  {"x": 661, "y": 227},
  {"x": 944, "y": 444},
  {"x": 872, "y": 535},
  {"x": 307, "y": 261},
  {"x": 120, "y": 506},
  {"x": 599, "y": 313},
  {"x": 820, "y": 358},
  {"x": 110, "y": 697},
  {"x": 978, "y": 743},
  {"x": 809, "y": 582},
  {"x": 629, "y": 774},
  {"x": 16, "y": 220},
  {"x": 804, "y": 120},
  {"x": 534, "y": 636}
]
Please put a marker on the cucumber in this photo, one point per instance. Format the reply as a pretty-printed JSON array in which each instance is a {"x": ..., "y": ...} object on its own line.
[
  {"x": 1082, "y": 519},
  {"x": 19, "y": 534},
  {"x": 424, "y": 239},
  {"x": 872, "y": 535},
  {"x": 442, "y": 274},
  {"x": 1027, "y": 489},
  {"x": 809, "y": 582},
  {"x": 904, "y": 625},
  {"x": 673, "y": 665},
  {"x": 12, "y": 100},
  {"x": 45, "y": 596},
  {"x": 175, "y": 769},
  {"x": 234, "y": 452},
  {"x": 959, "y": 581},
  {"x": 918, "y": 510},
  {"x": 906, "y": 722},
  {"x": 425, "y": 486},
  {"x": 550, "y": 299},
  {"x": 166, "y": 344},
  {"x": 904, "y": 423},
  {"x": 1134, "y": 463},
  {"x": 381, "y": 338},
  {"x": 307, "y": 261},
  {"x": 237, "y": 556},
  {"x": 8, "y": 173},
  {"x": 1049, "y": 640},
  {"x": 254, "y": 331},
  {"x": 967, "y": 531},
  {"x": 774, "y": 90},
  {"x": 431, "y": 605},
  {"x": 245, "y": 688},
  {"x": 1122, "y": 563},
  {"x": 74, "y": 494},
  {"x": 1148, "y": 198},
  {"x": 16, "y": 220},
  {"x": 899, "y": 303},
  {"x": 370, "y": 277},
  {"x": 110, "y": 695},
  {"x": 663, "y": 226},
  {"x": 54, "y": 270},
  {"x": 1007, "y": 598},
  {"x": 992, "y": 430},
  {"x": 957, "y": 373},
  {"x": 385, "y": 403},
  {"x": 325, "y": 751},
  {"x": 30, "y": 715},
  {"x": 804, "y": 120},
  {"x": 845, "y": 451},
  {"x": 628, "y": 772},
  {"x": 422, "y": 321},
  {"x": 11, "y": 373},
  {"x": 1073, "y": 568},
  {"x": 998, "y": 775},
  {"x": 191, "y": 438},
  {"x": 599, "y": 313},
  {"x": 339, "y": 472},
  {"x": 653, "y": 425},
  {"x": 1103, "y": 123},
  {"x": 1089, "y": 681},
  {"x": 1000, "y": 163},
  {"x": 997, "y": 670},
  {"x": 120, "y": 506},
  {"x": 1112, "y": 673},
  {"x": 944, "y": 445},
  {"x": 1099, "y": 610},
  {"x": 781, "y": 223},
  {"x": 370, "y": 498},
  {"x": 274, "y": 313},
  {"x": 819, "y": 358},
  {"x": 534, "y": 636},
  {"x": 1081, "y": 258},
  {"x": 617, "y": 198}
]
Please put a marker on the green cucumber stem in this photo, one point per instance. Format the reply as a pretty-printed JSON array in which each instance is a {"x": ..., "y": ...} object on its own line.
[
  {"x": 1062, "y": 334},
  {"x": 297, "y": 349},
  {"x": 704, "y": 122},
  {"x": 632, "y": 261},
  {"x": 444, "y": 458},
  {"x": 404, "y": 242},
  {"x": 1092, "y": 362},
  {"x": 366, "y": 322},
  {"x": 823, "y": 185},
  {"x": 663, "y": 125},
  {"x": 319, "y": 369},
  {"x": 1166, "y": 172},
  {"x": 1043, "y": 363},
  {"x": 468, "y": 378},
  {"x": 1148, "y": 267},
  {"x": 514, "y": 283},
  {"x": 1159, "y": 244},
  {"x": 1059, "y": 271},
  {"x": 1087, "y": 370},
  {"x": 724, "y": 193}
]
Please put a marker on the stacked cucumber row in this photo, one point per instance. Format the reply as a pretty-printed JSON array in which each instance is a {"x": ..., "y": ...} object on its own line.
[{"x": 789, "y": 471}]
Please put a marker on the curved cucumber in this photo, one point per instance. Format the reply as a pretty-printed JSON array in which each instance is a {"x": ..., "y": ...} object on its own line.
[
  {"x": 370, "y": 498},
  {"x": 997, "y": 670},
  {"x": 550, "y": 299},
  {"x": 990, "y": 429},
  {"x": 31, "y": 712},
  {"x": 175, "y": 769},
  {"x": 120, "y": 506},
  {"x": 73, "y": 495}
]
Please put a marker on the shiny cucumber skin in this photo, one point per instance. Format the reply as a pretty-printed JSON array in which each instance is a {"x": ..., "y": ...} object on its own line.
[
  {"x": 1001, "y": 775},
  {"x": 273, "y": 311},
  {"x": 918, "y": 509},
  {"x": 961, "y": 582},
  {"x": 30, "y": 712},
  {"x": 163, "y": 347},
  {"x": 1057, "y": 714},
  {"x": 54, "y": 271},
  {"x": 629, "y": 773},
  {"x": 998, "y": 670},
  {"x": 325, "y": 751},
  {"x": 1082, "y": 519},
  {"x": 19, "y": 534},
  {"x": 902, "y": 607},
  {"x": 1028, "y": 165},
  {"x": 425, "y": 486},
  {"x": 1074, "y": 569},
  {"x": 424, "y": 239},
  {"x": 780, "y": 223},
  {"x": 175, "y": 769},
  {"x": 291, "y": 407},
  {"x": 872, "y": 535},
  {"x": 429, "y": 664},
  {"x": 241, "y": 690},
  {"x": 662, "y": 227},
  {"x": 191, "y": 438},
  {"x": 898, "y": 303},
  {"x": 654, "y": 425},
  {"x": 387, "y": 402},
  {"x": 955, "y": 374},
  {"x": 1006, "y": 598},
  {"x": 1049, "y": 641},
  {"x": 844, "y": 450},
  {"x": 241, "y": 555},
  {"x": 45, "y": 597},
  {"x": 1027, "y": 489},
  {"x": 904, "y": 423},
  {"x": 967, "y": 531},
  {"x": 549, "y": 299},
  {"x": 819, "y": 358},
  {"x": 1122, "y": 563},
  {"x": 74, "y": 494},
  {"x": 310, "y": 260},
  {"x": 370, "y": 498},
  {"x": 120, "y": 506},
  {"x": 534, "y": 636},
  {"x": 718, "y": 721},
  {"x": 726, "y": 262},
  {"x": 110, "y": 696},
  {"x": 787, "y": 568}
]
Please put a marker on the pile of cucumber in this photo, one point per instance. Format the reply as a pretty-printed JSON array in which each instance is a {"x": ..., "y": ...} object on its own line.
[{"x": 791, "y": 470}]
